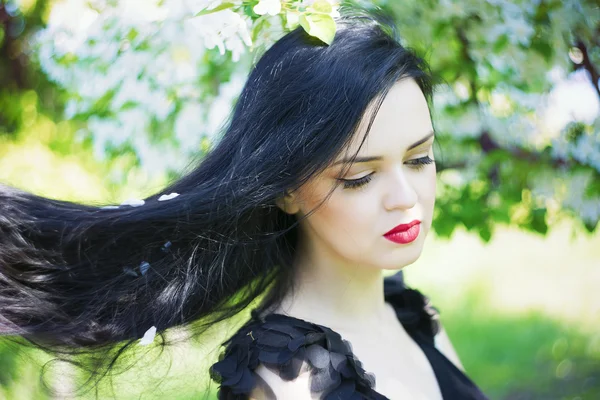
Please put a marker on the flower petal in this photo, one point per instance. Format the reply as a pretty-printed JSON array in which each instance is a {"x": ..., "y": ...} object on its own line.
[
  {"x": 148, "y": 336},
  {"x": 246, "y": 383},
  {"x": 144, "y": 266},
  {"x": 324, "y": 379},
  {"x": 166, "y": 247},
  {"x": 318, "y": 356},
  {"x": 168, "y": 196},
  {"x": 261, "y": 8},
  {"x": 295, "y": 343},
  {"x": 130, "y": 272},
  {"x": 133, "y": 202}
]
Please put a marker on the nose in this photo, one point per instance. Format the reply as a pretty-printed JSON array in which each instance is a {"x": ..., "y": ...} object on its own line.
[{"x": 401, "y": 193}]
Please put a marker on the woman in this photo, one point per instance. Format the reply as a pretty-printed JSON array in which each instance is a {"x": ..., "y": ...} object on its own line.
[{"x": 324, "y": 178}]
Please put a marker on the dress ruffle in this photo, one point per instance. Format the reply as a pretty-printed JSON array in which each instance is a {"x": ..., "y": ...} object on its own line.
[
  {"x": 413, "y": 309},
  {"x": 282, "y": 343}
]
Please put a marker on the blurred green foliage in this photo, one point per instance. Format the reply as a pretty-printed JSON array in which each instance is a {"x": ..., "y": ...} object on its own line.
[{"x": 523, "y": 356}]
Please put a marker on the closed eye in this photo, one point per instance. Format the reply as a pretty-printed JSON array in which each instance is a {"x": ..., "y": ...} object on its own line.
[
  {"x": 417, "y": 163},
  {"x": 420, "y": 163}
]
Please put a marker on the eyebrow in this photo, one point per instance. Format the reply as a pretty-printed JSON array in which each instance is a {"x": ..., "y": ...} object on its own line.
[{"x": 379, "y": 158}]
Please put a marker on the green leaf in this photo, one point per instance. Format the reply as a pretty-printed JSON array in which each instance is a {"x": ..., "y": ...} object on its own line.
[
  {"x": 590, "y": 226},
  {"x": 259, "y": 24},
  {"x": 485, "y": 232},
  {"x": 543, "y": 48},
  {"x": 304, "y": 23},
  {"x": 132, "y": 34},
  {"x": 593, "y": 188},
  {"x": 67, "y": 59},
  {"x": 538, "y": 221},
  {"x": 501, "y": 43},
  {"x": 321, "y": 26},
  {"x": 444, "y": 226},
  {"x": 128, "y": 105},
  {"x": 322, "y": 6},
  {"x": 220, "y": 7},
  {"x": 574, "y": 130},
  {"x": 1, "y": 36}
]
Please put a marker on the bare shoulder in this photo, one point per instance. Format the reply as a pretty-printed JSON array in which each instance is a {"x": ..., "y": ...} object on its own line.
[
  {"x": 444, "y": 345},
  {"x": 272, "y": 386}
]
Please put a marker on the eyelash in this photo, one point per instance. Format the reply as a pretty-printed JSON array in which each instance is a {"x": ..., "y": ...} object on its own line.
[{"x": 418, "y": 164}]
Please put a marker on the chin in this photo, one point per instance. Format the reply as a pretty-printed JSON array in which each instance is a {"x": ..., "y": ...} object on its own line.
[
  {"x": 399, "y": 262},
  {"x": 407, "y": 255}
]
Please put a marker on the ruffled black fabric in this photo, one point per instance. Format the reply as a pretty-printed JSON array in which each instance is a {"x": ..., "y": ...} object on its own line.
[
  {"x": 282, "y": 343},
  {"x": 413, "y": 309}
]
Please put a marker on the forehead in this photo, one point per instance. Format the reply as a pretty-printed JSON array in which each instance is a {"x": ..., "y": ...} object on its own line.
[{"x": 402, "y": 119}]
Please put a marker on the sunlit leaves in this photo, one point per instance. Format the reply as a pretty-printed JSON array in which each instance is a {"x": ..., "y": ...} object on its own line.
[
  {"x": 320, "y": 26},
  {"x": 220, "y": 7}
]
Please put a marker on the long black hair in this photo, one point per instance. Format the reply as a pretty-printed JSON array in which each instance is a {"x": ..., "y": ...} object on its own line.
[{"x": 79, "y": 279}]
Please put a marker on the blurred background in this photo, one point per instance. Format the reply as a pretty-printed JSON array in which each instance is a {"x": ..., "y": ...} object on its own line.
[{"x": 103, "y": 101}]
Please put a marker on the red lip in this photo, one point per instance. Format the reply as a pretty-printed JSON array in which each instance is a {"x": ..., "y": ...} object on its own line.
[{"x": 403, "y": 227}]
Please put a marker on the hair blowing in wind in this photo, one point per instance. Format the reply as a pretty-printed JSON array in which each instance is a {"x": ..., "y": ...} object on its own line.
[{"x": 81, "y": 279}]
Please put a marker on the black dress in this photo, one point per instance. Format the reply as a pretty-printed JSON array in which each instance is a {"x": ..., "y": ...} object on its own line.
[{"x": 282, "y": 343}]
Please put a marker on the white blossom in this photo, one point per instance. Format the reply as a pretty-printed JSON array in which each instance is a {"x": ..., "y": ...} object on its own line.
[
  {"x": 561, "y": 149},
  {"x": 468, "y": 124},
  {"x": 453, "y": 177},
  {"x": 519, "y": 30},
  {"x": 543, "y": 185},
  {"x": 151, "y": 83},
  {"x": 186, "y": 125},
  {"x": 575, "y": 197},
  {"x": 271, "y": 7},
  {"x": 585, "y": 148},
  {"x": 556, "y": 74},
  {"x": 573, "y": 99},
  {"x": 179, "y": 9}
]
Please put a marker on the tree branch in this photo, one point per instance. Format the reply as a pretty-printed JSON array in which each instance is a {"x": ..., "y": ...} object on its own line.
[
  {"x": 7, "y": 50},
  {"x": 488, "y": 145},
  {"x": 587, "y": 64}
]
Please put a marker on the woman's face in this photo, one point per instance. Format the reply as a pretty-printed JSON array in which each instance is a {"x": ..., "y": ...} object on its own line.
[{"x": 377, "y": 195}]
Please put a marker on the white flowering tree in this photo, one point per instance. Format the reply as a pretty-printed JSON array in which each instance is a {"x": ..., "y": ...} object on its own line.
[{"x": 517, "y": 117}]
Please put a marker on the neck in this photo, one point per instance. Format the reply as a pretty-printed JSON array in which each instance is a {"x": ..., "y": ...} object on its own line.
[{"x": 336, "y": 293}]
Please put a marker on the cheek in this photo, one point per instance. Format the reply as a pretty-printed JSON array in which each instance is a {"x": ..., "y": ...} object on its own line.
[
  {"x": 425, "y": 185},
  {"x": 352, "y": 211},
  {"x": 345, "y": 221}
]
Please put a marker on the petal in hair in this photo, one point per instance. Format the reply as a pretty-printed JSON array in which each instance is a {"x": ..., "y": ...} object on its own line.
[
  {"x": 168, "y": 196},
  {"x": 133, "y": 202},
  {"x": 166, "y": 247},
  {"x": 144, "y": 266},
  {"x": 129, "y": 271},
  {"x": 148, "y": 336}
]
